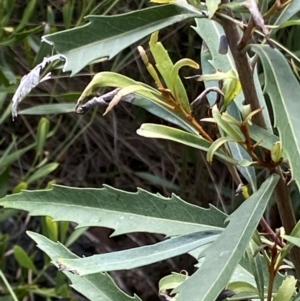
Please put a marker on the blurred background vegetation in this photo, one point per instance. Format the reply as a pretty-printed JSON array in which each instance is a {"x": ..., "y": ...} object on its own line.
[{"x": 47, "y": 145}]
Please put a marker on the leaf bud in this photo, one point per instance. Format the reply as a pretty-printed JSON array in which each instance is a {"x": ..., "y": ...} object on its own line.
[{"x": 276, "y": 152}]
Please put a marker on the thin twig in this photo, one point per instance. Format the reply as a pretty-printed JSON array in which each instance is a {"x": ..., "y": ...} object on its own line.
[
  {"x": 287, "y": 215},
  {"x": 243, "y": 68}
]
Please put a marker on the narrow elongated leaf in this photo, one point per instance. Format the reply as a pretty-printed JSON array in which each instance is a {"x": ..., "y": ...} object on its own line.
[
  {"x": 212, "y": 6},
  {"x": 224, "y": 254},
  {"x": 256, "y": 264},
  {"x": 229, "y": 129},
  {"x": 132, "y": 258},
  {"x": 48, "y": 109},
  {"x": 283, "y": 89},
  {"x": 166, "y": 69},
  {"x": 216, "y": 145},
  {"x": 97, "y": 287},
  {"x": 106, "y": 36},
  {"x": 287, "y": 289},
  {"x": 164, "y": 132},
  {"x": 288, "y": 12},
  {"x": 23, "y": 259},
  {"x": 8, "y": 159},
  {"x": 241, "y": 287},
  {"x": 165, "y": 113},
  {"x": 123, "y": 211},
  {"x": 293, "y": 240},
  {"x": 149, "y": 99},
  {"x": 171, "y": 281},
  {"x": 265, "y": 138}
]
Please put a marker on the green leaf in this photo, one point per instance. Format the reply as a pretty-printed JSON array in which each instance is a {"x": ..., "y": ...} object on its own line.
[
  {"x": 230, "y": 129},
  {"x": 169, "y": 72},
  {"x": 165, "y": 113},
  {"x": 286, "y": 290},
  {"x": 290, "y": 23},
  {"x": 216, "y": 145},
  {"x": 265, "y": 138},
  {"x": 136, "y": 257},
  {"x": 150, "y": 99},
  {"x": 18, "y": 37},
  {"x": 112, "y": 79},
  {"x": 41, "y": 137},
  {"x": 295, "y": 233},
  {"x": 210, "y": 31},
  {"x": 157, "y": 180},
  {"x": 283, "y": 90},
  {"x": 42, "y": 172},
  {"x": 75, "y": 235},
  {"x": 240, "y": 287},
  {"x": 212, "y": 6},
  {"x": 254, "y": 269},
  {"x": 21, "y": 186},
  {"x": 293, "y": 240},
  {"x": 86, "y": 43},
  {"x": 28, "y": 12},
  {"x": 125, "y": 212},
  {"x": 222, "y": 257},
  {"x": 164, "y": 132},
  {"x": 243, "y": 274},
  {"x": 237, "y": 6},
  {"x": 48, "y": 109},
  {"x": 171, "y": 281},
  {"x": 97, "y": 287},
  {"x": 50, "y": 228},
  {"x": 179, "y": 91},
  {"x": 288, "y": 12},
  {"x": 256, "y": 262},
  {"x": 23, "y": 259},
  {"x": 9, "y": 158},
  {"x": 4, "y": 181}
]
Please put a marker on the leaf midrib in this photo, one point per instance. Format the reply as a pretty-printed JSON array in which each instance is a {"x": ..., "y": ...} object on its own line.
[{"x": 127, "y": 213}]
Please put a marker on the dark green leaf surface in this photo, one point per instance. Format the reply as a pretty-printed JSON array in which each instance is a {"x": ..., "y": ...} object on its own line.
[
  {"x": 284, "y": 90},
  {"x": 222, "y": 257},
  {"x": 136, "y": 257},
  {"x": 123, "y": 211},
  {"x": 97, "y": 287},
  {"x": 23, "y": 259},
  {"x": 106, "y": 36}
]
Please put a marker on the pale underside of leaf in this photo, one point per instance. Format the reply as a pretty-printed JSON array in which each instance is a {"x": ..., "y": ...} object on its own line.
[
  {"x": 136, "y": 257},
  {"x": 97, "y": 287},
  {"x": 123, "y": 211},
  {"x": 284, "y": 90},
  {"x": 225, "y": 253}
]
